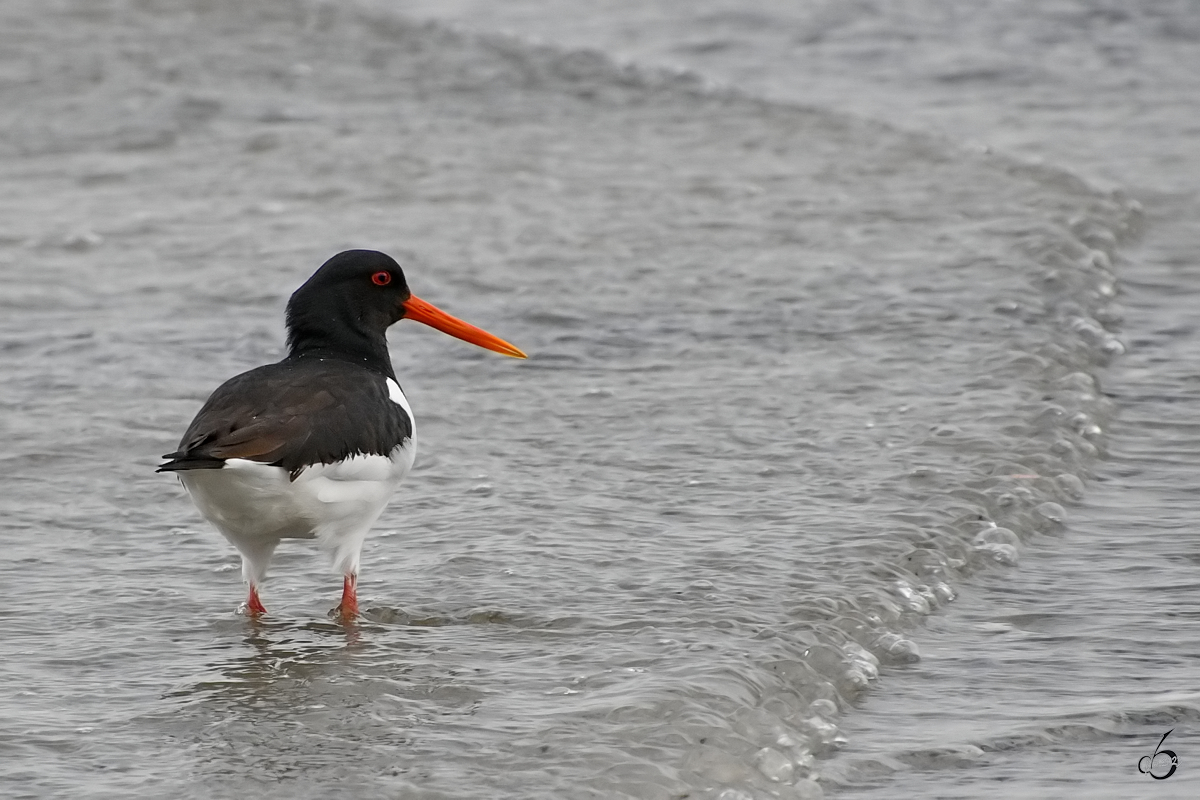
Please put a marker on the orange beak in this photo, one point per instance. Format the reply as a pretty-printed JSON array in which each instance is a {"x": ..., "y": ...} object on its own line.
[{"x": 417, "y": 309}]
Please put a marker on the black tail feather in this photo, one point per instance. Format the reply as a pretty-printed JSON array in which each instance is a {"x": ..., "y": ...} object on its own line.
[{"x": 181, "y": 463}]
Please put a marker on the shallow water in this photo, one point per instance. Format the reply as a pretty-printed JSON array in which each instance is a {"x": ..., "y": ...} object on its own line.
[{"x": 798, "y": 380}]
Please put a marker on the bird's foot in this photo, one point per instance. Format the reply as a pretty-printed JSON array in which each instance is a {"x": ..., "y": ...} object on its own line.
[
  {"x": 254, "y": 606},
  {"x": 347, "y": 610}
]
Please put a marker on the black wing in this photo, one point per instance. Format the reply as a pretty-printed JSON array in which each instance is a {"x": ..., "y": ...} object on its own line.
[{"x": 294, "y": 414}]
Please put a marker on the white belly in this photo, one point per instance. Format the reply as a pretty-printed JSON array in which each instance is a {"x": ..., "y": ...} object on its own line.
[{"x": 255, "y": 505}]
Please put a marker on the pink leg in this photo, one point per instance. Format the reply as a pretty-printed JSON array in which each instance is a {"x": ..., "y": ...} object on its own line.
[
  {"x": 253, "y": 605},
  {"x": 348, "y": 609}
]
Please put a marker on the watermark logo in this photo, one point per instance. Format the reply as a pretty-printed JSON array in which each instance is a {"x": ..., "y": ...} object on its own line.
[{"x": 1153, "y": 765}]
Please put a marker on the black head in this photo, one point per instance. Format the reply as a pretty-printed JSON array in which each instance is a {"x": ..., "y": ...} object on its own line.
[
  {"x": 345, "y": 308},
  {"x": 343, "y": 311}
]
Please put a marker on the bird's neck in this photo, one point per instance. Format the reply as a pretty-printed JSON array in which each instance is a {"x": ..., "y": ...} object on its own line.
[{"x": 368, "y": 350}]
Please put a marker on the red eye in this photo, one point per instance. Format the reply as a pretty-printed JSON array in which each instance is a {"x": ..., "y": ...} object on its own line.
[{"x": 381, "y": 278}]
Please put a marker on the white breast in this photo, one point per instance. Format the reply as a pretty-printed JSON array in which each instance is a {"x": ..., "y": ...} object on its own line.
[
  {"x": 255, "y": 505},
  {"x": 396, "y": 395}
]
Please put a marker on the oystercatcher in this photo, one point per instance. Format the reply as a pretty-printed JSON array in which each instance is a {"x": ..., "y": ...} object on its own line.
[{"x": 313, "y": 447}]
